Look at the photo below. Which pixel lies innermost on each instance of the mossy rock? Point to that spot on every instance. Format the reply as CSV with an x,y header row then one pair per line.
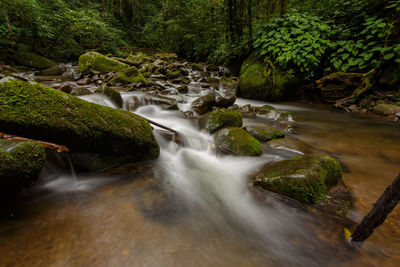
x,y
114,95
258,81
53,71
203,104
305,178
197,67
20,163
41,113
183,89
34,61
222,118
236,141
98,62
174,74
264,134
130,75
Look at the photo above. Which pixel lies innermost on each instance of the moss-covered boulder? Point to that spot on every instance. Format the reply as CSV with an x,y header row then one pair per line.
x,y
53,71
98,62
41,113
20,163
236,141
130,75
261,82
222,118
33,61
305,178
203,104
264,134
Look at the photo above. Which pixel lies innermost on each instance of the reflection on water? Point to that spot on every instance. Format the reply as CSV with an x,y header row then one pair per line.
x,y
192,208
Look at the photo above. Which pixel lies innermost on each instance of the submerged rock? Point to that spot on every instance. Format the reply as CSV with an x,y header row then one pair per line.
x,y
20,163
130,75
264,134
41,113
33,61
222,118
270,113
98,62
290,146
305,178
386,109
203,104
236,141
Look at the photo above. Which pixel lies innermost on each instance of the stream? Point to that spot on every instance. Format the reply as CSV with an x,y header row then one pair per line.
x,y
191,207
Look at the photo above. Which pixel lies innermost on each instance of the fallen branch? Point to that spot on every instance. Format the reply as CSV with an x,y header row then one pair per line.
x,y
58,148
383,206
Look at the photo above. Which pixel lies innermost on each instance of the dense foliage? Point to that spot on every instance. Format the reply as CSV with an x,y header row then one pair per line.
x,y
311,37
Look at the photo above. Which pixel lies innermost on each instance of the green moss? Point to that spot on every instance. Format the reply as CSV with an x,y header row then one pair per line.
x,y
237,141
305,178
98,62
38,112
130,75
264,134
221,118
33,61
174,74
257,81
20,163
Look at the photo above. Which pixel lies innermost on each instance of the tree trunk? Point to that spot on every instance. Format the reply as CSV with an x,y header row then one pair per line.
x,y
9,29
383,206
250,25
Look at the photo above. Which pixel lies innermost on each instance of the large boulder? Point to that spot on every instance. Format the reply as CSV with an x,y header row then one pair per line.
x,y
130,75
222,118
41,113
236,141
259,81
305,178
114,95
203,104
98,62
20,163
264,134
33,61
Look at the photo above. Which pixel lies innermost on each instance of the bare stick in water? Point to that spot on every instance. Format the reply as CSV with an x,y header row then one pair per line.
x,y
59,148
383,206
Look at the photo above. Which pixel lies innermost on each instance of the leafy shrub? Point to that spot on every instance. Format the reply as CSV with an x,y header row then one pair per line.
x,y
295,41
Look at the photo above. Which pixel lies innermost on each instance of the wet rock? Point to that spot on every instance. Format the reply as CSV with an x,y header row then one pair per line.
x,y
113,94
66,88
305,178
181,80
338,201
212,68
225,101
222,118
183,89
290,146
174,74
53,71
270,113
130,75
264,134
133,103
33,61
386,109
203,104
84,81
20,164
79,125
98,62
80,91
236,141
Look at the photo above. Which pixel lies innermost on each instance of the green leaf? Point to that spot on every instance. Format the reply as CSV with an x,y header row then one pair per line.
x,y
388,56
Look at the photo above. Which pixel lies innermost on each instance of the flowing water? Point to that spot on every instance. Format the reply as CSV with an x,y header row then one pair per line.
x,y
191,207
